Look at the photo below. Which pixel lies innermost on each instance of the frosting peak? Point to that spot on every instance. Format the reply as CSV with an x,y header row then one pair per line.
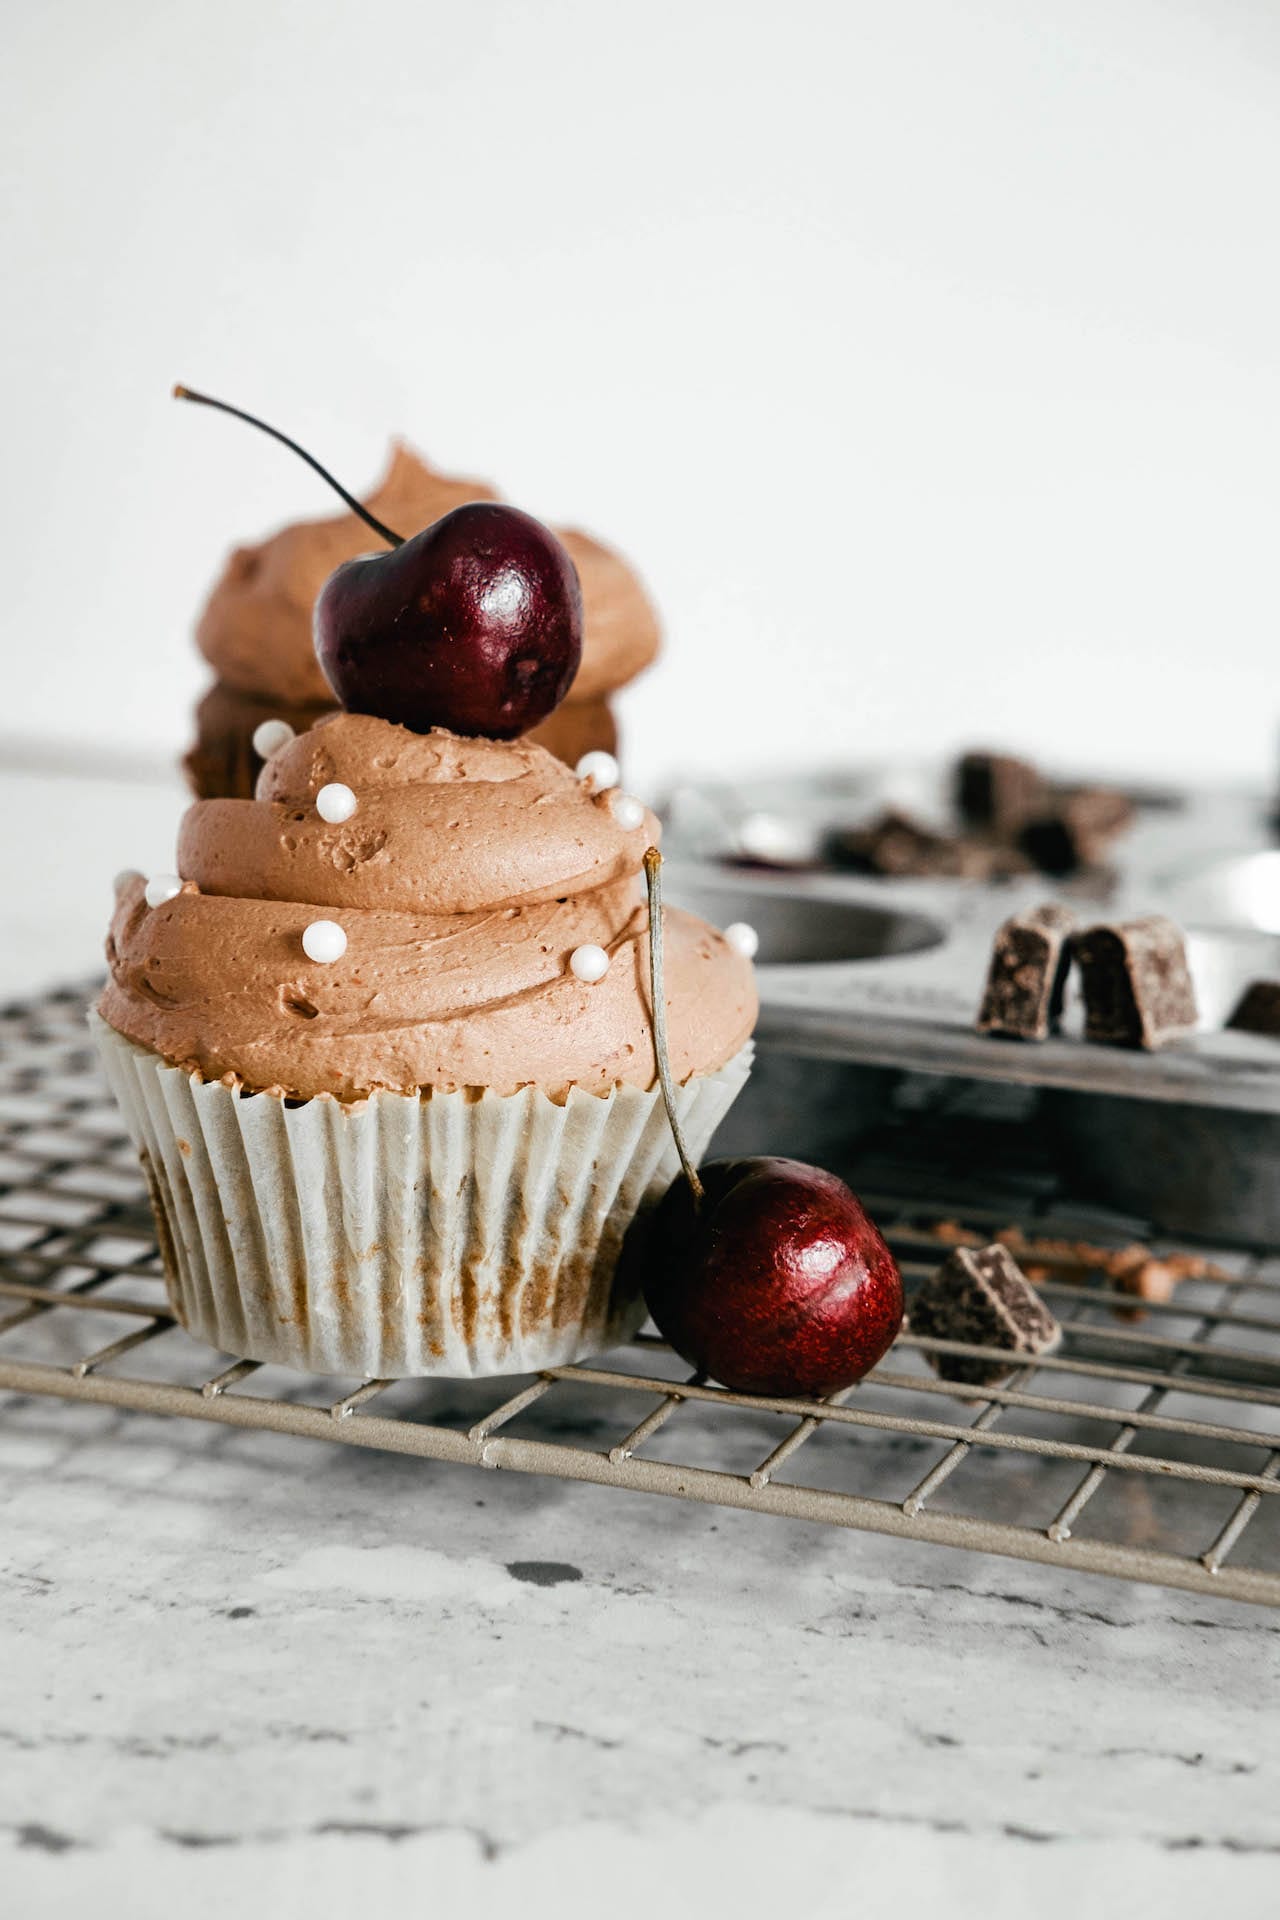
x,y
467,876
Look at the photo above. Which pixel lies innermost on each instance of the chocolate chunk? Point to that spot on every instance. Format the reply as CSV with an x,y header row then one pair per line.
x,y
980,1296
1258,1009
1028,976
1137,987
1075,828
898,847
994,790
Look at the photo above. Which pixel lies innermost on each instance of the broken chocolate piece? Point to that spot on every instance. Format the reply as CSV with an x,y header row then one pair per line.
x,y
1075,828
996,791
1028,976
1258,1009
900,848
893,844
980,1296
1137,987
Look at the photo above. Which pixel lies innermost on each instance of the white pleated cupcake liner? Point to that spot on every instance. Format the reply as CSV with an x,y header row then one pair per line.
x,y
461,1234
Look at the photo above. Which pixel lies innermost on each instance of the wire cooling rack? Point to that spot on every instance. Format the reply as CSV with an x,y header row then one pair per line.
x,y
1147,1447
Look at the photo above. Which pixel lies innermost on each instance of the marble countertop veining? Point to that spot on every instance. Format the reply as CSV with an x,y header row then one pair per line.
x,y
252,1674
279,1672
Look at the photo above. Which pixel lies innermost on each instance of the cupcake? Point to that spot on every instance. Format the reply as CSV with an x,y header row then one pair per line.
x,y
385,1040
255,630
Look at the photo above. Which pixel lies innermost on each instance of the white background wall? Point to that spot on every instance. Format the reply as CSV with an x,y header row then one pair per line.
x,y
926,353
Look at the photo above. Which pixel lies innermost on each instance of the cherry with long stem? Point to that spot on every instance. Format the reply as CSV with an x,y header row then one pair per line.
x,y
238,413
653,881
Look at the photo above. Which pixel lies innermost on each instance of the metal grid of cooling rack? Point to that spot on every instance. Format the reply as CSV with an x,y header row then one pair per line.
x,y
1147,1447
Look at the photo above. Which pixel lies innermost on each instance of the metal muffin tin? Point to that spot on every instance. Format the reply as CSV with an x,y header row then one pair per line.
x,y
862,979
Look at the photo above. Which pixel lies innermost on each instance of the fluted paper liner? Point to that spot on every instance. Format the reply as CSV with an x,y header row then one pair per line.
x,y
463,1234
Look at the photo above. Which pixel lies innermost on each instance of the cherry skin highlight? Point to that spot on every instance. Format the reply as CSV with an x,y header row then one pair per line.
x,y
474,624
777,1282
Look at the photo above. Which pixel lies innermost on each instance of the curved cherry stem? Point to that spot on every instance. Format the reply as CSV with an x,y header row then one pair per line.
x,y
653,881
238,413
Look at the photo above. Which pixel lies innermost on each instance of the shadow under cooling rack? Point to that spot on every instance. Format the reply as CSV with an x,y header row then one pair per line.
x,y
1146,1448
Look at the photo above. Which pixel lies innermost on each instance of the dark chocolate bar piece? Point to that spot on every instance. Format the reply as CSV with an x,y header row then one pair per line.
x,y
1137,986
979,1295
1075,829
995,791
898,847
893,844
1258,1009
1028,975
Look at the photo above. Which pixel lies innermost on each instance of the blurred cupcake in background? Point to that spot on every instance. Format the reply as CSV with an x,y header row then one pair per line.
x,y
255,630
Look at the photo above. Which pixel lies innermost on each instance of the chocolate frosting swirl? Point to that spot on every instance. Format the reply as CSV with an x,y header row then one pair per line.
x,y
468,874
255,630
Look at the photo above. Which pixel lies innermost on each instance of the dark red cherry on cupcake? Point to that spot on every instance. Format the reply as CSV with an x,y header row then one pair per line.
x,y
474,624
763,1273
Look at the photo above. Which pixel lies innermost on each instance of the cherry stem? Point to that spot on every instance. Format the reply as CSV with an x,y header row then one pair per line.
x,y
238,413
653,881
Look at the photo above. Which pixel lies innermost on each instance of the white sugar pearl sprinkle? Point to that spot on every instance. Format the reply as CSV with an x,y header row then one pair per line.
x,y
743,938
627,811
270,736
336,803
161,887
589,964
324,942
599,769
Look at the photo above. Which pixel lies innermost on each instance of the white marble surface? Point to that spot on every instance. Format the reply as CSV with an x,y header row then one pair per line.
x,y
248,1674
256,1671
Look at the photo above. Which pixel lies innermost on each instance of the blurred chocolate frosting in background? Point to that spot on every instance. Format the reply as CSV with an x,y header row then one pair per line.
x,y
255,630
